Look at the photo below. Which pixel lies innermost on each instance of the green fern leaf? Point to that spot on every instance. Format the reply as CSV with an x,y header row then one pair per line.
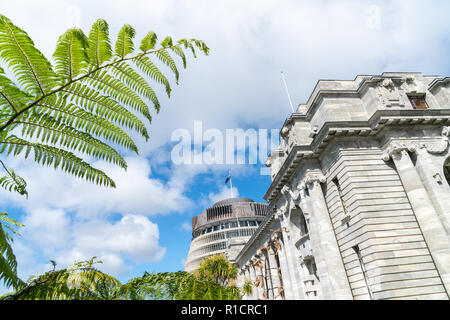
x,y
127,74
165,58
32,70
148,42
146,66
99,44
124,43
48,155
70,55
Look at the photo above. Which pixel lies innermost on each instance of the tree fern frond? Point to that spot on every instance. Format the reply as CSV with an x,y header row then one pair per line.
x,y
48,155
103,106
79,281
127,74
32,70
179,52
165,58
49,131
99,43
88,96
114,88
147,66
78,118
14,182
11,96
8,262
148,42
167,42
124,42
70,54
201,45
187,44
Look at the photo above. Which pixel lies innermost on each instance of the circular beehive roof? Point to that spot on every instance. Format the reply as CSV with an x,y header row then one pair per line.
x,y
230,201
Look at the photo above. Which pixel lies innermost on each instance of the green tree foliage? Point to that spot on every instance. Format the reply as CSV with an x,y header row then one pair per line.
x,y
83,103
215,280
80,281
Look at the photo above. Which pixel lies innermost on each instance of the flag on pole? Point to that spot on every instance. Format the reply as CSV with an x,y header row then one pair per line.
x,y
228,178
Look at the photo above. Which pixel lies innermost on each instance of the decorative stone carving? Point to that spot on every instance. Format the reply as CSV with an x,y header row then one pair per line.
x,y
431,147
395,148
436,148
410,79
389,94
312,178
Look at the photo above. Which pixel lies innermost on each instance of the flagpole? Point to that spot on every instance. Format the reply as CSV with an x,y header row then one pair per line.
x,y
287,91
231,185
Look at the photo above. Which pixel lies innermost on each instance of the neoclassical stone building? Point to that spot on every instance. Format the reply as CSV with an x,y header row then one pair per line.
x,y
359,204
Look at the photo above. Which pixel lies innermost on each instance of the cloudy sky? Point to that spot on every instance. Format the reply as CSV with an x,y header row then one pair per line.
x,y
144,224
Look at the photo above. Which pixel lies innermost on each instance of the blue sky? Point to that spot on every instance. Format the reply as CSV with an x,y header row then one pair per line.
x,y
143,225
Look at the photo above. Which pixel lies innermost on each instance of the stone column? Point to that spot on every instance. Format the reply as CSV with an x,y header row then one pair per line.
x,y
284,265
262,272
334,282
267,272
432,180
257,293
294,271
274,274
426,215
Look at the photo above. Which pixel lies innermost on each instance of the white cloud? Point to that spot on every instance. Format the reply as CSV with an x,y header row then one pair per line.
x,y
186,226
136,191
133,237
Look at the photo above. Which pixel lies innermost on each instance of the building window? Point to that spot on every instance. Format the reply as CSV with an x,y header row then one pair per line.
x,y
418,102
243,223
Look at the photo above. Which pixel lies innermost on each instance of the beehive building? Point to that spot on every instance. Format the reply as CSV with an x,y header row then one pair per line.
x,y
223,228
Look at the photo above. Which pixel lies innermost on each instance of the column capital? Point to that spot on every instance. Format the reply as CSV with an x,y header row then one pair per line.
x,y
395,149
311,179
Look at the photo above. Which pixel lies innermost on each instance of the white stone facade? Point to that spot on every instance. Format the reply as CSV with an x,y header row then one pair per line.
x,y
360,196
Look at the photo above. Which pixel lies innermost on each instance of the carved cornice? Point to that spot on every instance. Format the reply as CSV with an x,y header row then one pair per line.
x,y
433,147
